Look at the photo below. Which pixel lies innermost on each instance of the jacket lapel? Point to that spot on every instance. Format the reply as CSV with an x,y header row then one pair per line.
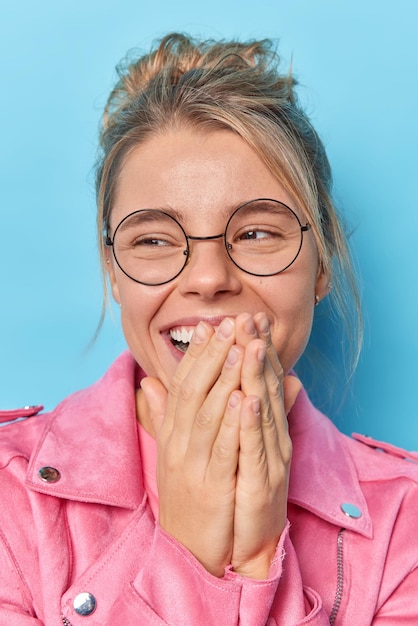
x,y
323,476
92,440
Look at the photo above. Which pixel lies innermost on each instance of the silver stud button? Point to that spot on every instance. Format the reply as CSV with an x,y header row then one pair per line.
x,y
49,474
351,510
84,603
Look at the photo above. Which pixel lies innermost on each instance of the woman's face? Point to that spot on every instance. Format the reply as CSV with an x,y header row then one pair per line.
x,y
204,177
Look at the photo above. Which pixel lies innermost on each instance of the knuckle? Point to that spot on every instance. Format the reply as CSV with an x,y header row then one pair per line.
x,y
221,452
203,418
276,371
258,456
276,389
185,392
268,419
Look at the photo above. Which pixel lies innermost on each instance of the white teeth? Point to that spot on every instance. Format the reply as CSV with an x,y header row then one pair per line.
x,y
182,334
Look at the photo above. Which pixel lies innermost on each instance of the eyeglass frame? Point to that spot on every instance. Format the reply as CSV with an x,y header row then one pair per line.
x,y
108,242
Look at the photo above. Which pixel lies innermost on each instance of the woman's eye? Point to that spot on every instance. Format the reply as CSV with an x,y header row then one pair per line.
x,y
150,241
255,234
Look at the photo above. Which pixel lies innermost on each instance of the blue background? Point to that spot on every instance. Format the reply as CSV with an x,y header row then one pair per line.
x,y
357,61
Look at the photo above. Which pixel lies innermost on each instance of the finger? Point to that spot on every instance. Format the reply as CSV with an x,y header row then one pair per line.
x,y
211,414
200,339
285,387
252,378
248,328
224,458
245,329
274,376
261,498
254,383
187,394
262,326
269,389
151,412
253,470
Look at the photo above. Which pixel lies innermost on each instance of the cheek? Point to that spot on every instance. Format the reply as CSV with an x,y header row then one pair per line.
x,y
292,337
291,302
139,308
136,315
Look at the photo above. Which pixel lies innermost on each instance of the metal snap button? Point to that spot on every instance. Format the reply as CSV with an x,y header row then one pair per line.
x,y
351,510
84,603
49,474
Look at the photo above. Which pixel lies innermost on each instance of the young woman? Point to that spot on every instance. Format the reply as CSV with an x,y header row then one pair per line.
x,y
195,484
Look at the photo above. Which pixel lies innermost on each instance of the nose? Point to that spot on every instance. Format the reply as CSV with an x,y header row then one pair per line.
x,y
209,272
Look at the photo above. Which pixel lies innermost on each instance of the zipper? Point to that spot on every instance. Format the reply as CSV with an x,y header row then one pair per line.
x,y
65,621
340,578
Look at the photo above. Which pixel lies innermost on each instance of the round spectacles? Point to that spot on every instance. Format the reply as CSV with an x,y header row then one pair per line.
x,y
262,237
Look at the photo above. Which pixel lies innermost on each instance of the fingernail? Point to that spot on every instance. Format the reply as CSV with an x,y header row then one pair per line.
x,y
233,356
263,324
234,399
249,326
261,353
200,333
225,328
256,406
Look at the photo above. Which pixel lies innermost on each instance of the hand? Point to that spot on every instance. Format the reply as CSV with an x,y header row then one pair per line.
x,y
197,430
265,449
225,409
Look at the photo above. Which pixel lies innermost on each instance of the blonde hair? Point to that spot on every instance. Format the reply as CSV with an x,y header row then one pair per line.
x,y
236,86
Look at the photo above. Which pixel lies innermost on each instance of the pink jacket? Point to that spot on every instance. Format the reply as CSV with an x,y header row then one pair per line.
x,y
79,545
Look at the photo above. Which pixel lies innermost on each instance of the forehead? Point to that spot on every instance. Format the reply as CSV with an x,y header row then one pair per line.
x,y
200,177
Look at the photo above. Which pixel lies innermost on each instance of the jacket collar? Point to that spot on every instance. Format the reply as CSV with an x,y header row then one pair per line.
x,y
92,440
323,477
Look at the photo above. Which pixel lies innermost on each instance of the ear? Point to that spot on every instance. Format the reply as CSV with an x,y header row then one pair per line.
x,y
112,276
322,284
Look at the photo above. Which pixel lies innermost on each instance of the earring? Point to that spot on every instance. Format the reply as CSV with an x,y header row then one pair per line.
x,y
317,299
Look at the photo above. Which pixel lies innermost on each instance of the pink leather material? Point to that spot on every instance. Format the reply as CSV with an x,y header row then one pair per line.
x,y
26,411
383,446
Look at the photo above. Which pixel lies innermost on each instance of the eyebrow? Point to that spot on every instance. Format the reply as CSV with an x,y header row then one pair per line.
x,y
177,214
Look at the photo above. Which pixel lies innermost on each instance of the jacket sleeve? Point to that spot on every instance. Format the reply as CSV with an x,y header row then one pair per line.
x,y
186,594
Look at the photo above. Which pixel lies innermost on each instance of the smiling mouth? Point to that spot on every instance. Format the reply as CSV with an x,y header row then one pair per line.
x,y
181,338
